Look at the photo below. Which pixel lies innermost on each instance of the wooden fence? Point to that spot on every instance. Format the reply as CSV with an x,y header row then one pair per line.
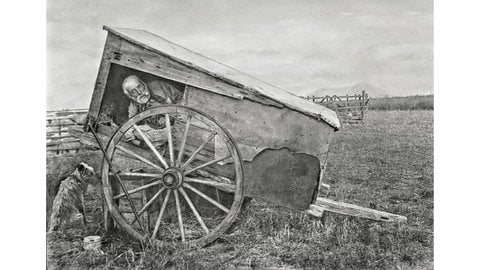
x,y
350,108
59,141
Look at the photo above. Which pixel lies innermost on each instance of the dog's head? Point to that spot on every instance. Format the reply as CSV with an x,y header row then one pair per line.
x,y
86,173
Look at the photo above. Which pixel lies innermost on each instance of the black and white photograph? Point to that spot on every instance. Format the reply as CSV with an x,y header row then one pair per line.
x,y
243,134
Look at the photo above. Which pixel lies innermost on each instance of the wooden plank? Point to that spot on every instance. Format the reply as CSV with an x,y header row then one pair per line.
x,y
355,210
364,105
358,102
55,143
341,103
230,188
57,129
176,75
59,118
57,132
315,211
49,137
112,45
62,124
76,144
63,148
124,205
63,131
344,107
346,97
67,110
133,56
65,114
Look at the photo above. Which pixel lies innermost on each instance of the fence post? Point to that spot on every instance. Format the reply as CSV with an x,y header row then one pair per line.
x,y
59,135
363,105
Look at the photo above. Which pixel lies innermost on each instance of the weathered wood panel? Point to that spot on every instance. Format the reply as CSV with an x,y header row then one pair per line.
x,y
136,57
112,45
257,127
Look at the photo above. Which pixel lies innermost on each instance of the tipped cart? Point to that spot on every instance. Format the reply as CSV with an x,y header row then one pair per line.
x,y
178,168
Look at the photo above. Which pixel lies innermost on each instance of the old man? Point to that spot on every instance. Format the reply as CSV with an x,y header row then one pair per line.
x,y
146,95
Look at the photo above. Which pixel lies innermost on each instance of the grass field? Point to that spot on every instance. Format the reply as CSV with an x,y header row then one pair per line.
x,y
386,164
419,102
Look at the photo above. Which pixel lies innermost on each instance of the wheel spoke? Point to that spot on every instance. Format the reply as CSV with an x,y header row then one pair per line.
x,y
208,163
203,195
194,210
140,158
179,215
135,190
169,138
149,203
210,137
217,194
162,210
217,178
222,186
152,147
138,174
184,140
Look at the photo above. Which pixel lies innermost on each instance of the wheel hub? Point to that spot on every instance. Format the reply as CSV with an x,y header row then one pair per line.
x,y
172,178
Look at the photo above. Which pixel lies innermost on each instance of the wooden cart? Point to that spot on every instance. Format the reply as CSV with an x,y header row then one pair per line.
x,y
230,136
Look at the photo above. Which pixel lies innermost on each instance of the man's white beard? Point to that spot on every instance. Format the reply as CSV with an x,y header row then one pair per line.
x,y
143,99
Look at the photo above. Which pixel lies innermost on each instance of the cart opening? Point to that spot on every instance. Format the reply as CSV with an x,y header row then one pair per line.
x,y
116,103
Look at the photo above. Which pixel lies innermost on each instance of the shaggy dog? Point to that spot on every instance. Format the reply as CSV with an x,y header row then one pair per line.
x,y
69,199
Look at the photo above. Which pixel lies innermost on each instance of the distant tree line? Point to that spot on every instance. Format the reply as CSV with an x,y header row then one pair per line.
x,y
418,102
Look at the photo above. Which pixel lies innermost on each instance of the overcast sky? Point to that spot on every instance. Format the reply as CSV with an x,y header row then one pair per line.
x,y
296,45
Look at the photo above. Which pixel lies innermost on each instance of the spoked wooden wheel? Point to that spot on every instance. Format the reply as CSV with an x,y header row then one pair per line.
x,y
174,173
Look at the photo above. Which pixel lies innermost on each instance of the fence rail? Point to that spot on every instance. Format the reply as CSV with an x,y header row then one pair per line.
x,y
350,108
59,141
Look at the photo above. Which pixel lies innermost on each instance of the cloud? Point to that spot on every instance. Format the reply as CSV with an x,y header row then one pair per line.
x,y
296,45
